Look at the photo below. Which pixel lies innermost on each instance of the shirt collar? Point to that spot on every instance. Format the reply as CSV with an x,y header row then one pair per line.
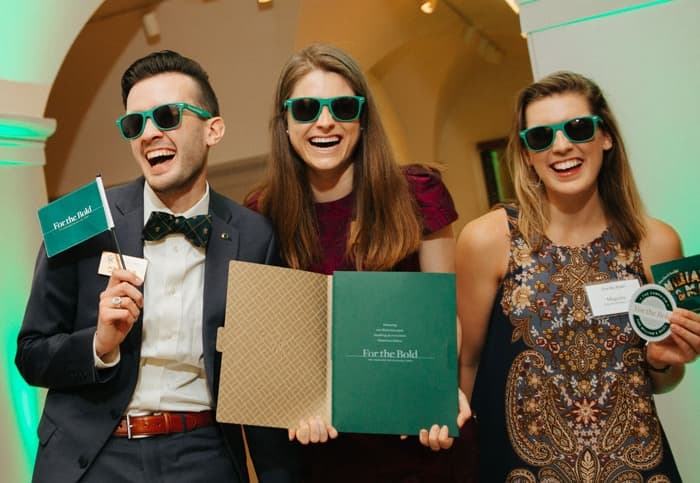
x,y
151,203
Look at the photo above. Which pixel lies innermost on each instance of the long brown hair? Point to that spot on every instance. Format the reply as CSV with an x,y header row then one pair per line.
x,y
385,226
618,192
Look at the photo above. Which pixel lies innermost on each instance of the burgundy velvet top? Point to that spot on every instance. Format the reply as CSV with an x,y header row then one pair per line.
x,y
434,203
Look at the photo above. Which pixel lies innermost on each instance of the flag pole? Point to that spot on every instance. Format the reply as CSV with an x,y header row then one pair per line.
x,y
110,220
119,250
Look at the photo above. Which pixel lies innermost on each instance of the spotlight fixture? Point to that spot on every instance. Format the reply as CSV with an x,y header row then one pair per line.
x,y
151,27
428,6
513,4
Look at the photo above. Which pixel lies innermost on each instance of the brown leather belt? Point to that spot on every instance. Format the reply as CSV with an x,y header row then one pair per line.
x,y
162,423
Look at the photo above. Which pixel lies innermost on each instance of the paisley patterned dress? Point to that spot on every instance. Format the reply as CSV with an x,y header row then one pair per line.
x,y
561,395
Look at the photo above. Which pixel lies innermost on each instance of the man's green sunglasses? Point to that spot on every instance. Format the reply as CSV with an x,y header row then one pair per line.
x,y
165,117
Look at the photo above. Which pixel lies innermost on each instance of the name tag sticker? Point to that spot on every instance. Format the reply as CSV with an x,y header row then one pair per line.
x,y
649,309
109,262
611,297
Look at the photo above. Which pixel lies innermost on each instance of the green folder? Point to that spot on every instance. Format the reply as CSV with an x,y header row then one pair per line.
x,y
394,353
369,352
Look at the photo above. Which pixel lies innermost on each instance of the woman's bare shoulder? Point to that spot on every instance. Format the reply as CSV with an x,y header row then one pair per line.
x,y
484,245
487,229
660,243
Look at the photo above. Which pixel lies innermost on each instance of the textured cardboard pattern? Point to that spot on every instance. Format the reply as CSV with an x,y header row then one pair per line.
x,y
253,391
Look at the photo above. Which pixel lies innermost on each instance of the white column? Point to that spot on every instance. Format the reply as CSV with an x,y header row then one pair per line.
x,y
35,36
22,192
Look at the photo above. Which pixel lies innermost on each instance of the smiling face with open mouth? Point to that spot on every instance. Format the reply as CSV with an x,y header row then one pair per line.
x,y
173,161
325,145
566,167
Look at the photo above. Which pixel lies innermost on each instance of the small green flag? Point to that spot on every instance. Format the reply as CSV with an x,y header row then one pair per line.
x,y
75,217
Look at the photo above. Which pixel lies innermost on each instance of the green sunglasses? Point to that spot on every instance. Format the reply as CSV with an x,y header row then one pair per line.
x,y
165,117
577,130
308,109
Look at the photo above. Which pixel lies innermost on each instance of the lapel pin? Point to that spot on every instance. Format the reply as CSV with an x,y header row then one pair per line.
x,y
224,236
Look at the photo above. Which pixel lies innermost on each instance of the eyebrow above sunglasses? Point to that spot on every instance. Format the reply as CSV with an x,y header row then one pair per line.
x,y
577,130
308,109
165,117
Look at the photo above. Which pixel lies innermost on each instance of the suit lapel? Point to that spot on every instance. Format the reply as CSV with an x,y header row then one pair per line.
x,y
222,248
128,217
126,203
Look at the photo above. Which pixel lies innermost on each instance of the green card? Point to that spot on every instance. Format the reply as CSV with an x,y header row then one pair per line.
x,y
681,278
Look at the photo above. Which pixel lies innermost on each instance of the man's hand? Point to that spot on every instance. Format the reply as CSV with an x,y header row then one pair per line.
x,y
120,306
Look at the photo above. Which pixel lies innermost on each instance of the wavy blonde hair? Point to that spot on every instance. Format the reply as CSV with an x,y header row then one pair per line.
x,y
620,198
385,227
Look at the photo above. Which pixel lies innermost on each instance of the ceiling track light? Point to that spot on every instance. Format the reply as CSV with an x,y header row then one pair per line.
x,y
151,27
428,6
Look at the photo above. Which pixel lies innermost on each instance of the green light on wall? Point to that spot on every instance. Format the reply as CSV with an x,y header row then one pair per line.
x,y
19,131
610,13
24,398
23,128
14,162
20,402
497,170
22,139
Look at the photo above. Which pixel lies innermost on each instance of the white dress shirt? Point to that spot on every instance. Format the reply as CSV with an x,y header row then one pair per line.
x,y
171,371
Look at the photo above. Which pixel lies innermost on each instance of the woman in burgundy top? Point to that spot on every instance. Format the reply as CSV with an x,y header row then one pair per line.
x,y
339,201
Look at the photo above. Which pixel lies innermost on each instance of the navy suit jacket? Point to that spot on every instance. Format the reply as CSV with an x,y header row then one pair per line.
x,y
84,405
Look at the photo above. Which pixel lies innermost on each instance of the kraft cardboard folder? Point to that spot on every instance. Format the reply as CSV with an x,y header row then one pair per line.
x,y
371,352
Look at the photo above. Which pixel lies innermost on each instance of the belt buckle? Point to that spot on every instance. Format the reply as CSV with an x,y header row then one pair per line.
x,y
128,426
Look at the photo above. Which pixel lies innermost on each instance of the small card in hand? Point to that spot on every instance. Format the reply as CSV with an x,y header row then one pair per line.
x,y
681,278
110,261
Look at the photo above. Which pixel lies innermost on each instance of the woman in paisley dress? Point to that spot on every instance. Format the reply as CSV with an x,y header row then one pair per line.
x,y
561,394
339,201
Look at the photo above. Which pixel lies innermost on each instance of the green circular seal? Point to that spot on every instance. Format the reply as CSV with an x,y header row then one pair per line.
x,y
649,310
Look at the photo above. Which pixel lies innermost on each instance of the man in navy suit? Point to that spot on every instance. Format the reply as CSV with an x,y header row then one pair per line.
x,y
130,365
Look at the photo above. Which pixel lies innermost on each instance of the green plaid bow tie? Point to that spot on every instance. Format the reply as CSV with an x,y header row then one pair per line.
x,y
195,229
